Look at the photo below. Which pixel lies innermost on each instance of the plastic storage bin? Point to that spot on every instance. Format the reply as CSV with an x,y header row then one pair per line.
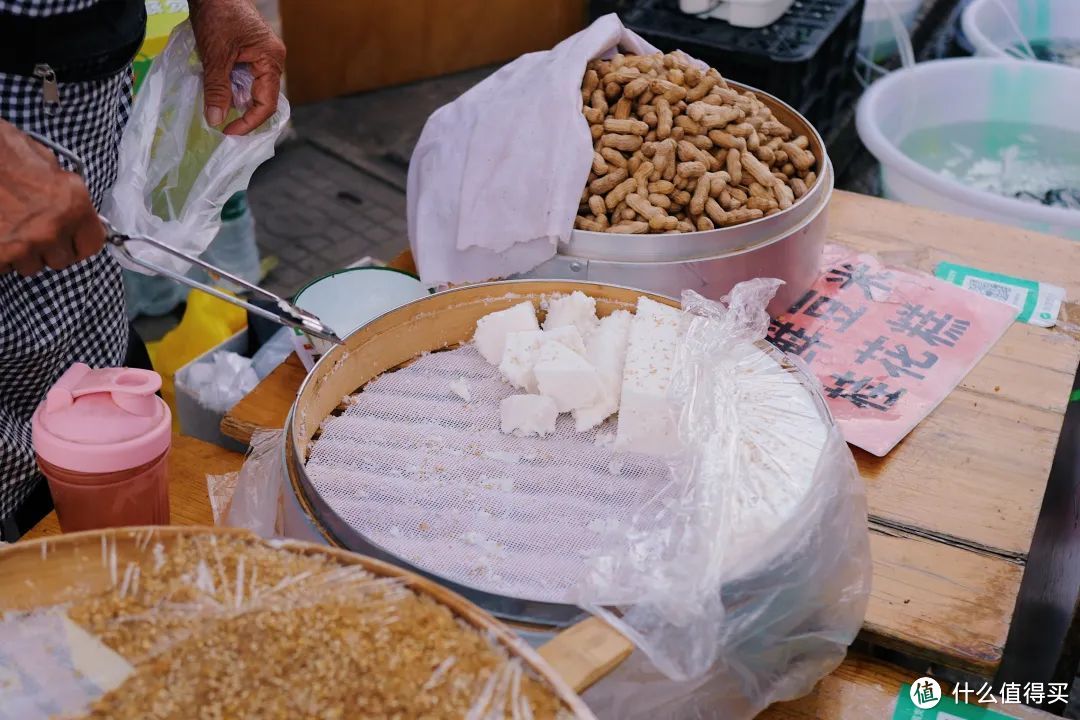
x,y
967,90
998,28
805,58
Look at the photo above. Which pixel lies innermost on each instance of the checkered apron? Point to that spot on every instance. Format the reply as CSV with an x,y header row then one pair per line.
x,y
56,318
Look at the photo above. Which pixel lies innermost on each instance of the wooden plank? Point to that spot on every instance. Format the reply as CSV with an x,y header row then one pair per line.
x,y
190,461
343,46
864,688
267,406
586,652
942,603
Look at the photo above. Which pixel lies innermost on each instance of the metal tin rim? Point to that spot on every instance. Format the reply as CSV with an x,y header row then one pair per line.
x,y
338,533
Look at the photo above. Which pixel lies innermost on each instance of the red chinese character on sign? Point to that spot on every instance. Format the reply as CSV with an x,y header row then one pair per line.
x,y
860,275
875,349
863,393
823,307
789,338
933,329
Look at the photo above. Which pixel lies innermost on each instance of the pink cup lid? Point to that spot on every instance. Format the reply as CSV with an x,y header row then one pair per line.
x,y
102,420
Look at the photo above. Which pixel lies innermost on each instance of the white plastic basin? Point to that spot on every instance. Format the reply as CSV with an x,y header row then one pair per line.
x,y
991,25
967,90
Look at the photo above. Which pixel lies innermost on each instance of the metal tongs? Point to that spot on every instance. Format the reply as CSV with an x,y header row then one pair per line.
x,y
289,314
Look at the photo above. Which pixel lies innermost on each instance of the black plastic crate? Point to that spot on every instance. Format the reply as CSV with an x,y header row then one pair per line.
x,y
805,58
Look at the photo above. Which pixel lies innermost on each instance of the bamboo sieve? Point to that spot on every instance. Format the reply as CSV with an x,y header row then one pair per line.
x,y
55,570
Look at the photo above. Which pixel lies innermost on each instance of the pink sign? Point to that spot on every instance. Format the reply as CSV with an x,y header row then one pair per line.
x,y
887,344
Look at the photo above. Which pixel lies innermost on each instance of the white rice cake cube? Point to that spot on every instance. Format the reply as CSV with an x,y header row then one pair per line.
x,y
566,377
492,329
576,309
525,415
605,349
523,348
647,422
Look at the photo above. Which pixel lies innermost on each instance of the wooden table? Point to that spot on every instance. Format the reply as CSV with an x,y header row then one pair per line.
x,y
954,508
861,688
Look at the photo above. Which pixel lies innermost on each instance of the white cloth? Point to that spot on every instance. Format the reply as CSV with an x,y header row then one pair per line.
x,y
495,179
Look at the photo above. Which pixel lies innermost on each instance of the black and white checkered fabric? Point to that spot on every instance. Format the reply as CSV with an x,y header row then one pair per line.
x,y
44,8
56,318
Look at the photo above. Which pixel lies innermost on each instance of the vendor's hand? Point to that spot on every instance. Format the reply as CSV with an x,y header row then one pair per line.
x,y
46,216
229,32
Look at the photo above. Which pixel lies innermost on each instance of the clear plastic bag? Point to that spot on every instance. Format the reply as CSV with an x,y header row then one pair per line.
x,y
175,172
722,633
252,499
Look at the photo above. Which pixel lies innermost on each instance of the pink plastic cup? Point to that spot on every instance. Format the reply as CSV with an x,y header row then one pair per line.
x,y
102,438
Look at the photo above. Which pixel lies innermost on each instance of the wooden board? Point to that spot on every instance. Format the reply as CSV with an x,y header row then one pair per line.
x,y
190,461
343,46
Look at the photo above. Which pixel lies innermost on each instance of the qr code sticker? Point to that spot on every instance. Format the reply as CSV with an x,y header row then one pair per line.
x,y
989,288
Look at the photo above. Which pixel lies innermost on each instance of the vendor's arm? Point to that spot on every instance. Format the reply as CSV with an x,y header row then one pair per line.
x,y
229,32
46,216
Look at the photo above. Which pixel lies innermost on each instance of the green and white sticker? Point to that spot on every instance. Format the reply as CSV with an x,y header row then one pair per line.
x,y
1037,303
928,703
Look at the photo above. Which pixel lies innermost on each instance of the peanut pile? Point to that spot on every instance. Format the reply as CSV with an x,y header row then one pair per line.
x,y
678,150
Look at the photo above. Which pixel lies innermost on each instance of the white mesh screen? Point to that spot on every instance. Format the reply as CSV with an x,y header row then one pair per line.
x,y
431,479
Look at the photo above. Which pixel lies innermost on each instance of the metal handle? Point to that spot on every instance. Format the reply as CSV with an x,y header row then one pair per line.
x,y
291,315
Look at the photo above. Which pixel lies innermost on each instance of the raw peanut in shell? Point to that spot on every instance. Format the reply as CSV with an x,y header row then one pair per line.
x,y
785,196
765,155
761,203
613,156
641,174
739,196
651,120
628,214
646,98
635,88
612,91
663,118
743,130
619,193
688,125
597,131
630,228
601,220
753,142
771,212
716,213
661,201
592,115
599,164
622,108
626,143
701,194
675,75
788,169
802,142
720,120
781,158
635,162
776,128
734,166
607,183
651,137
701,142
681,182
661,187
757,169
740,215
798,187
702,88
583,223
678,133
684,226
704,223
691,169
692,75
622,75
727,140
810,178
597,205
590,82
725,200
681,198
625,127
801,159
599,102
